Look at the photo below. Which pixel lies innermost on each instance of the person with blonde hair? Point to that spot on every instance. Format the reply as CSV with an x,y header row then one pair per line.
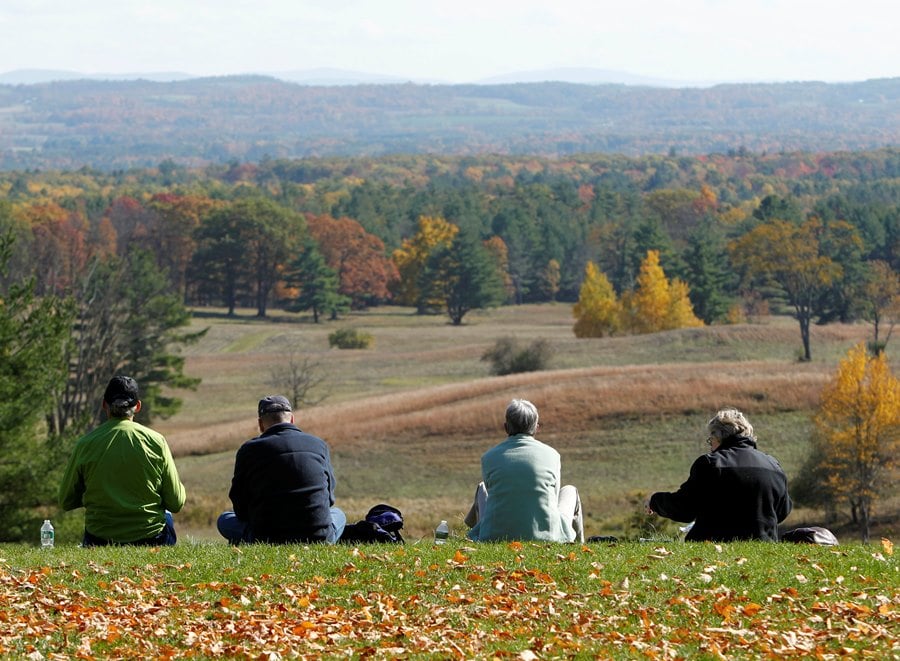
x,y
521,496
734,491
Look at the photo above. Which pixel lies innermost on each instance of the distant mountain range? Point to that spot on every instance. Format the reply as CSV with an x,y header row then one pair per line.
x,y
120,124
328,76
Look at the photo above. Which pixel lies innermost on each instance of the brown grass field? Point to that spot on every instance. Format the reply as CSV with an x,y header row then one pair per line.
x,y
408,419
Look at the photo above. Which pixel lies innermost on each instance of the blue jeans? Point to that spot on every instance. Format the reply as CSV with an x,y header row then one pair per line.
x,y
238,532
166,537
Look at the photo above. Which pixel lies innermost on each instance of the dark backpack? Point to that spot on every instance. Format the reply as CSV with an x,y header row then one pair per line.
x,y
382,524
810,535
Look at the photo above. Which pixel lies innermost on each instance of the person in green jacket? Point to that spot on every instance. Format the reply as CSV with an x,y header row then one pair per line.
x,y
124,476
521,496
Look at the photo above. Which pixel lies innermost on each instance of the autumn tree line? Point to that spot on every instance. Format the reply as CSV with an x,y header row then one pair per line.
x,y
114,261
812,234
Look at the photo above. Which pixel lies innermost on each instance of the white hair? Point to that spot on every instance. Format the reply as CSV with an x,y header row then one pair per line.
x,y
521,417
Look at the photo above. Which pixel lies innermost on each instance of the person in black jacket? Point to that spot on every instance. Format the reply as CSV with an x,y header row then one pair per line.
x,y
734,491
283,485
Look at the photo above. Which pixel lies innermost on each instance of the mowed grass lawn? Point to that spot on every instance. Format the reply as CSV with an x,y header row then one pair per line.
x,y
409,418
457,601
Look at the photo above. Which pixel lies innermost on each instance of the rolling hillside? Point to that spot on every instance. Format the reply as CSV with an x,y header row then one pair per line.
x,y
122,124
408,419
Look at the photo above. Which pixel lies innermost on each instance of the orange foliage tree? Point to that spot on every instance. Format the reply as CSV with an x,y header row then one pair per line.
x,y
171,233
858,426
59,245
364,271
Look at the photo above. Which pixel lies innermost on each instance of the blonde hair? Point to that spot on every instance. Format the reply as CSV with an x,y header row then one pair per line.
x,y
730,422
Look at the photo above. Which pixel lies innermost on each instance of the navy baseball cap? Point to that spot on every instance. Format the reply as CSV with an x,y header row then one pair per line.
x,y
121,391
274,404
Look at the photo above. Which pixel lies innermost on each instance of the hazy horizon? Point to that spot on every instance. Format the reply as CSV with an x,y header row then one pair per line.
x,y
694,42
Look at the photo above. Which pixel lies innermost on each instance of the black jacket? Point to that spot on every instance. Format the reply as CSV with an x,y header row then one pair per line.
x,y
283,486
735,492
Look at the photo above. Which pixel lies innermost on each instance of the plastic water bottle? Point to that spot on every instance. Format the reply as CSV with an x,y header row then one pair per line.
x,y
47,535
441,533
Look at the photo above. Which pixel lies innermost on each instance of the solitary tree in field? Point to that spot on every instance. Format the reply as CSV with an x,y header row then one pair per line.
x,y
597,311
788,256
859,432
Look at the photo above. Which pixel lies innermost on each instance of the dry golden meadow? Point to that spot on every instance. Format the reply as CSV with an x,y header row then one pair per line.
x,y
408,419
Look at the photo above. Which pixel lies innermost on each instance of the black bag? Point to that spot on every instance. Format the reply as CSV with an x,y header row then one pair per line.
x,y
810,535
382,524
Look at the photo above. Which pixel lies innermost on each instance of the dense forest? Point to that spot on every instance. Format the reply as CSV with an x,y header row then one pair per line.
x,y
362,229
112,125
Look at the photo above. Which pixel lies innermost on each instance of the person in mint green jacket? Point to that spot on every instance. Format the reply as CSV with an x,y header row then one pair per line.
x,y
124,476
520,496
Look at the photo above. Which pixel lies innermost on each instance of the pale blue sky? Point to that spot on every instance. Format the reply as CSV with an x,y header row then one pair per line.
x,y
459,40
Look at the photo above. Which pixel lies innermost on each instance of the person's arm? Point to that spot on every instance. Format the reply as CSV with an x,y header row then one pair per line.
x,y
784,505
684,504
329,476
237,491
71,489
173,492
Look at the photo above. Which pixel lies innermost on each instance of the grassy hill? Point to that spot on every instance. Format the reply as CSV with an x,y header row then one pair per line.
x,y
409,418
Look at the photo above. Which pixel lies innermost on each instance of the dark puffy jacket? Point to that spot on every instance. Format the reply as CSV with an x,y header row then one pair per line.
x,y
283,486
735,492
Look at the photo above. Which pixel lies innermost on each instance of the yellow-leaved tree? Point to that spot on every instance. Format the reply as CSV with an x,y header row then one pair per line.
x,y
657,304
410,259
597,311
858,426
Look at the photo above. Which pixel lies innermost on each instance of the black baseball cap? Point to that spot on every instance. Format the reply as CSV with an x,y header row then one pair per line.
x,y
274,404
121,391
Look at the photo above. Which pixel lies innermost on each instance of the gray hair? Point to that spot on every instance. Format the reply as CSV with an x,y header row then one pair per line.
x,y
521,417
274,417
730,422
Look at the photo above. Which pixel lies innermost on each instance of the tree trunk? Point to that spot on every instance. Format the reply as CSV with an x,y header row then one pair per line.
x,y
803,318
864,522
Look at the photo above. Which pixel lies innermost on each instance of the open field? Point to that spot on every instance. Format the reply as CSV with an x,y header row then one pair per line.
x,y
408,419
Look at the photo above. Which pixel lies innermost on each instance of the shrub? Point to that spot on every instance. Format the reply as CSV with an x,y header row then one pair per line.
x,y
506,357
350,338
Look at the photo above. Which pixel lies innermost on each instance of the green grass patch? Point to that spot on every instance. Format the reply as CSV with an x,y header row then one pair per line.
x,y
459,600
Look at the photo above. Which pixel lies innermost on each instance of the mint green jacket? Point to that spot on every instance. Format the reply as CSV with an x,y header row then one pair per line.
x,y
124,476
522,478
